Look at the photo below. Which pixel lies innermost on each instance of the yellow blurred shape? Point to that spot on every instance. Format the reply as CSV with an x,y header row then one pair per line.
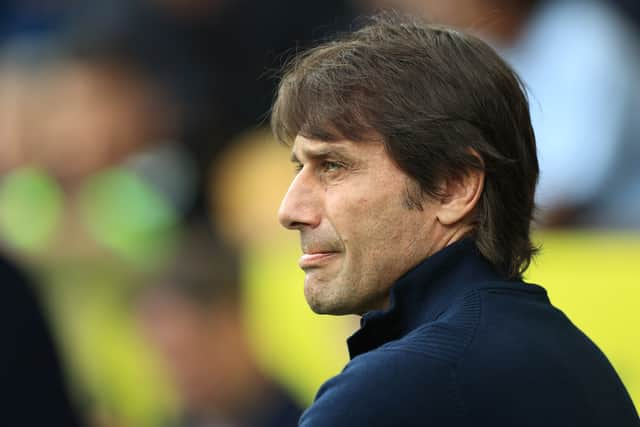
x,y
247,184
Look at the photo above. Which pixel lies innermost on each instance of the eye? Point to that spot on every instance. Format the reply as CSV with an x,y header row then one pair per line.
x,y
331,166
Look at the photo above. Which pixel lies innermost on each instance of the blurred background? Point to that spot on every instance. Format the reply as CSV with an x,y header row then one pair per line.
x,y
139,184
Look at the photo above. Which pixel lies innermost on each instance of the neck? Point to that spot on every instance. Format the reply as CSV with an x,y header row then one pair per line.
x,y
448,237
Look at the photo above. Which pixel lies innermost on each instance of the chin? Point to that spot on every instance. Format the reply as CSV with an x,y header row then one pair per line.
x,y
321,306
322,297
333,311
317,303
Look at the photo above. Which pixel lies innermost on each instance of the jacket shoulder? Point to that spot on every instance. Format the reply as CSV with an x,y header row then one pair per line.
x,y
527,355
383,388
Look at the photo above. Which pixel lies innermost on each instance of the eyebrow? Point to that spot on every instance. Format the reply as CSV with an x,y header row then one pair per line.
x,y
320,153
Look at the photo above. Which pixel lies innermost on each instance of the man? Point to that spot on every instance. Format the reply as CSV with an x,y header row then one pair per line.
x,y
416,171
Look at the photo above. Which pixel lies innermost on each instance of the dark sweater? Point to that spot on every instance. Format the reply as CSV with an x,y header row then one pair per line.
x,y
461,346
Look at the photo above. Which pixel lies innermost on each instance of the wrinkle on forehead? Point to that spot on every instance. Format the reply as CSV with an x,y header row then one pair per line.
x,y
317,148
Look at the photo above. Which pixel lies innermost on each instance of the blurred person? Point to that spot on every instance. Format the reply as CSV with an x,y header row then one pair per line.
x,y
34,391
97,109
416,169
92,119
585,98
92,195
192,315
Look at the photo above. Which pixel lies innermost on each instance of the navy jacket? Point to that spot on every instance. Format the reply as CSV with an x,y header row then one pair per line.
x,y
461,346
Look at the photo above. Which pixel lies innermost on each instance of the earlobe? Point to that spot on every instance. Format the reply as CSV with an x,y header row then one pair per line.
x,y
461,197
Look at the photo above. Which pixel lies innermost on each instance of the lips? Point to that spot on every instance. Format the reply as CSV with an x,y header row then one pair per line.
x,y
315,259
318,249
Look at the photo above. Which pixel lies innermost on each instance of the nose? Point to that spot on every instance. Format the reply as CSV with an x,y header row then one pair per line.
x,y
300,205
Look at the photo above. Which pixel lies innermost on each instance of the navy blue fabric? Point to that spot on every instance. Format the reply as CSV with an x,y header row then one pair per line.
x,y
460,346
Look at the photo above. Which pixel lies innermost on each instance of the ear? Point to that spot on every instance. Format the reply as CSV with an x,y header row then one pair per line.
x,y
461,195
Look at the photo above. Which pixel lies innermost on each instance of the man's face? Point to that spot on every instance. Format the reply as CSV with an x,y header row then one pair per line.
x,y
358,234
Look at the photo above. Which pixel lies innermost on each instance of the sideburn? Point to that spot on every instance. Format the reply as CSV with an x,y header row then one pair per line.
x,y
413,196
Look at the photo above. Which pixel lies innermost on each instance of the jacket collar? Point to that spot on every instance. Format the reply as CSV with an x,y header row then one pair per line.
x,y
423,293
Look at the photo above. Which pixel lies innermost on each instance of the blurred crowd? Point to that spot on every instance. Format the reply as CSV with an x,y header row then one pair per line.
x,y
136,173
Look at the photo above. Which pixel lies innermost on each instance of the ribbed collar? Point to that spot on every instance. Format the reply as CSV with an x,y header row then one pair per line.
x,y
423,293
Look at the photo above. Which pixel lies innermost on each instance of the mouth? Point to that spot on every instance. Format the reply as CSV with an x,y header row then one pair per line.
x,y
315,259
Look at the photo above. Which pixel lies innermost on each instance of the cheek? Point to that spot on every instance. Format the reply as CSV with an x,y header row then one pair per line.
x,y
366,223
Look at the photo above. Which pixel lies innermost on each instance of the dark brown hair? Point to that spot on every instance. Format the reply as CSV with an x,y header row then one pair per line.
x,y
437,98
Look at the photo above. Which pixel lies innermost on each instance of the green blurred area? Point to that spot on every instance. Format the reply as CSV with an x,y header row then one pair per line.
x,y
31,205
88,253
